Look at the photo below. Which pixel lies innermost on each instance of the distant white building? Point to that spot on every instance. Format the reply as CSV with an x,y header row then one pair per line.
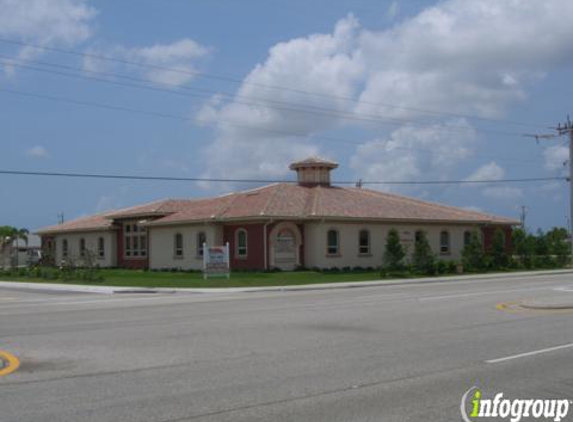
x,y
311,223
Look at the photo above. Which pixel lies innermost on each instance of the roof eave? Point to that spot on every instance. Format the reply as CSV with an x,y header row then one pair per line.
x,y
330,218
82,230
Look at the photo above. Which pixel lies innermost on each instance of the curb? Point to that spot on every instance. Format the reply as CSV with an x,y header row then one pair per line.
x,y
78,288
547,306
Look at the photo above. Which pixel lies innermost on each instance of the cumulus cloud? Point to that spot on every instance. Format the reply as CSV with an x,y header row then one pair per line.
x,y
555,157
464,55
492,171
171,64
263,138
47,22
415,153
37,152
458,56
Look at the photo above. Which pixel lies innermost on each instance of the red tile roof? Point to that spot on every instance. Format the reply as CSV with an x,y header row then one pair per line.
x,y
156,208
91,223
283,200
293,201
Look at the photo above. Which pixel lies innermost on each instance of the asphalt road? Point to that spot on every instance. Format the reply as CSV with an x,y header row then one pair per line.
x,y
399,353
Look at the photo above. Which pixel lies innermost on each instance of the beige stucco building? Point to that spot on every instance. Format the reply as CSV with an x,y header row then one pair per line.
x,y
308,224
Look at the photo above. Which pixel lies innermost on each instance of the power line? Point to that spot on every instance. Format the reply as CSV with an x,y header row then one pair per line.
x,y
200,123
265,86
369,118
227,180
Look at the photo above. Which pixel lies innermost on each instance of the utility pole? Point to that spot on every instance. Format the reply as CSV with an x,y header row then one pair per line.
x,y
564,129
567,129
61,218
522,215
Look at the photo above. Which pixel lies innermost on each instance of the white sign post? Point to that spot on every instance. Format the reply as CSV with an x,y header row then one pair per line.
x,y
216,261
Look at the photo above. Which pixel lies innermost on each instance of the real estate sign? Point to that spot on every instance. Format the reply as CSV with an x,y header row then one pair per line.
x,y
216,261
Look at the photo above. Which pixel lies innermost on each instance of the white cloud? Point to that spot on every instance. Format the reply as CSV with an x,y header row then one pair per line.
x,y
491,171
459,56
415,153
555,157
465,55
47,22
37,152
261,138
160,59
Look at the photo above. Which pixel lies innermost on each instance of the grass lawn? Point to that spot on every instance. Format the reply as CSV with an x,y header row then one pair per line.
x,y
135,278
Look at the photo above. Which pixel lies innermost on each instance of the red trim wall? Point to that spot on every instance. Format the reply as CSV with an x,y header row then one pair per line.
x,y
133,263
255,259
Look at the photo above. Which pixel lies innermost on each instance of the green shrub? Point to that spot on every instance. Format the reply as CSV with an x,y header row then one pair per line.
x,y
394,253
472,253
423,258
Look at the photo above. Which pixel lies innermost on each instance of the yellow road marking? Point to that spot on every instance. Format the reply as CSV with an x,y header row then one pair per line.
x,y
12,363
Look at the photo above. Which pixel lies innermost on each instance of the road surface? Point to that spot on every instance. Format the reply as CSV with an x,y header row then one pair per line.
x,y
393,353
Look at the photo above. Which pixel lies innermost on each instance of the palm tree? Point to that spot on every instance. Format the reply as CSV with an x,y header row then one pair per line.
x,y
20,234
6,239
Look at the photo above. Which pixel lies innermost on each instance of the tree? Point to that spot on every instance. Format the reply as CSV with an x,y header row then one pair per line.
x,y
500,259
472,253
558,244
423,257
394,252
524,246
542,258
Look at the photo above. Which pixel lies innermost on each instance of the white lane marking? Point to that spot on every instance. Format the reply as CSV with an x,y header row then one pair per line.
x,y
564,289
490,292
536,352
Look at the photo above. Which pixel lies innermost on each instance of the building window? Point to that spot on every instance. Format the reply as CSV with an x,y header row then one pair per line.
x,y
242,243
135,241
201,239
178,245
332,243
65,248
101,247
364,242
444,243
467,238
418,236
82,247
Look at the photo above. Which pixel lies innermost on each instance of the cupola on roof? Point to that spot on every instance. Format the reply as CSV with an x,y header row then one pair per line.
x,y
313,171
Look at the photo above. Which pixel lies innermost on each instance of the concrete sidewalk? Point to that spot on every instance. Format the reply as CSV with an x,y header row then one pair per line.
x,y
322,286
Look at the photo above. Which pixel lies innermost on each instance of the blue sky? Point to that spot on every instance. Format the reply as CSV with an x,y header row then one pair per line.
x,y
395,91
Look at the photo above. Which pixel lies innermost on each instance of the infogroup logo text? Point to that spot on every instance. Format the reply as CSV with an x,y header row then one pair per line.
x,y
512,409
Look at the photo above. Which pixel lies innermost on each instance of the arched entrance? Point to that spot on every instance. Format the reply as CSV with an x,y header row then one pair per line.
x,y
285,241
